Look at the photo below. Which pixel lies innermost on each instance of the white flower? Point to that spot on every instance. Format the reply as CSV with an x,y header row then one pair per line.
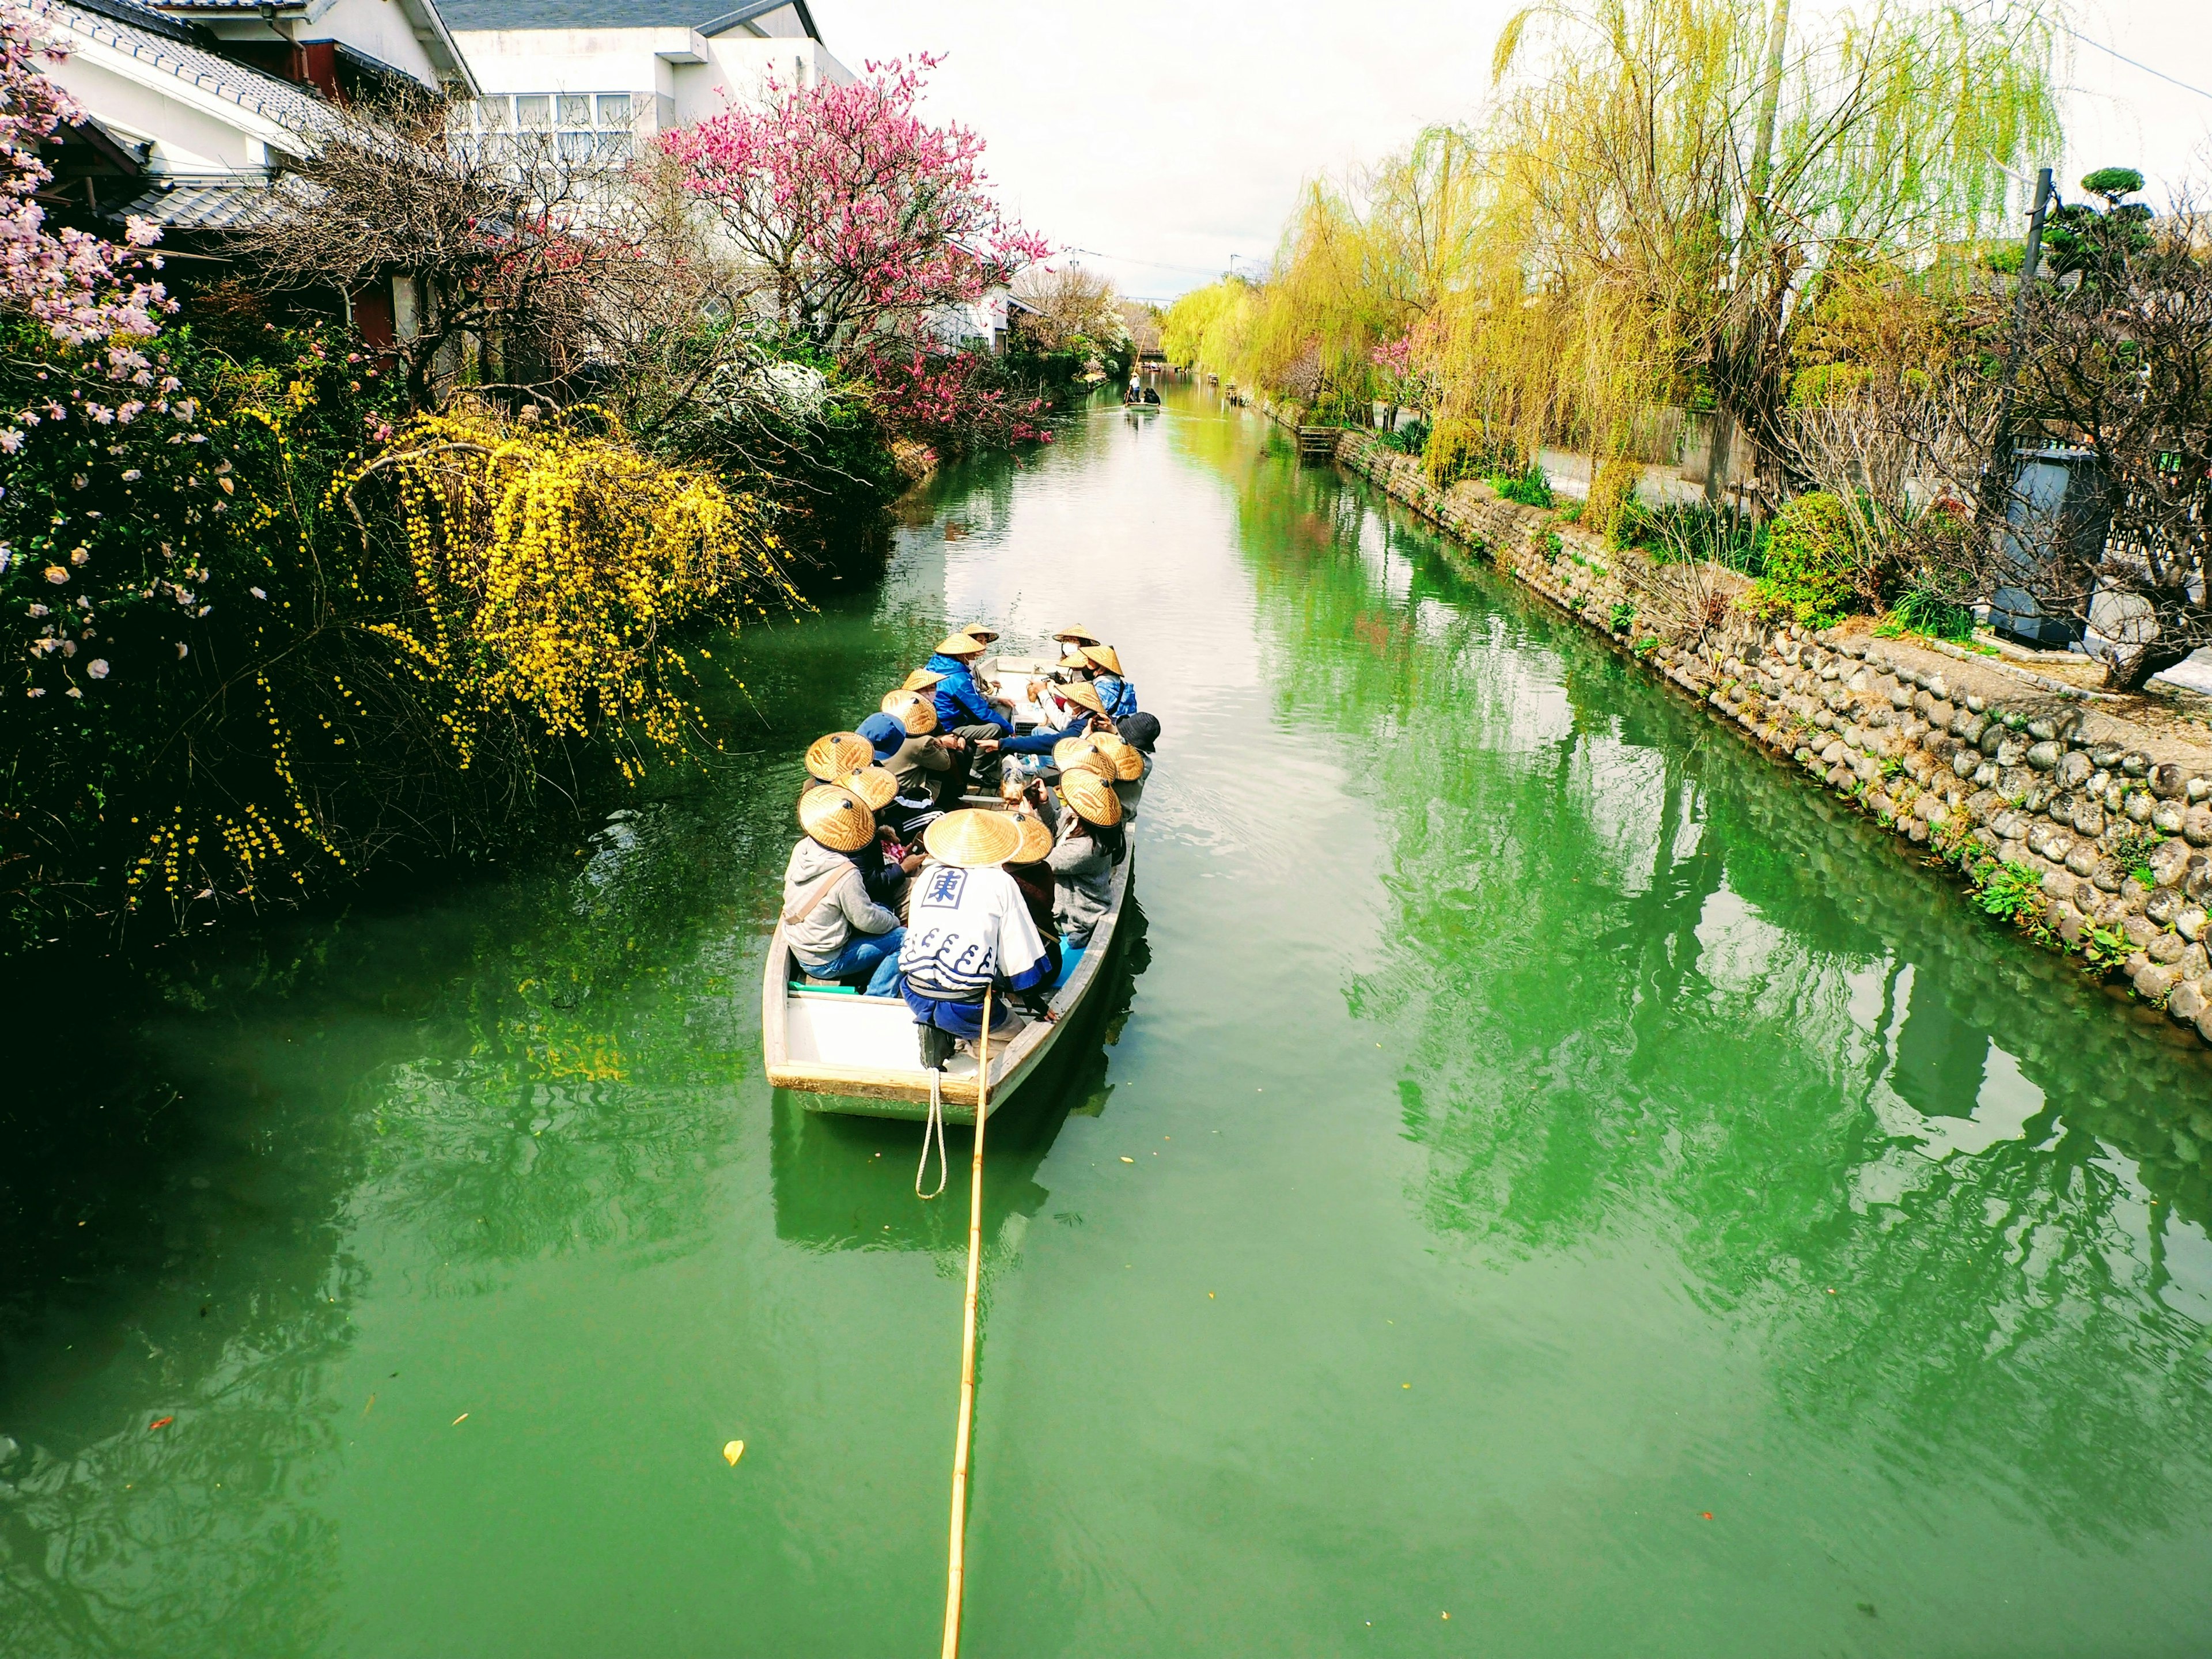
x,y
55,574
34,690
183,650
97,668
39,610
132,475
74,691
257,592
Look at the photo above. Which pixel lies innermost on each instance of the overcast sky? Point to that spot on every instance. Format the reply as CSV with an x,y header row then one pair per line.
x,y
1168,138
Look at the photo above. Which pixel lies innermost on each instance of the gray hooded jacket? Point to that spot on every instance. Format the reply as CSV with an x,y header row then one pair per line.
x,y
1083,880
842,908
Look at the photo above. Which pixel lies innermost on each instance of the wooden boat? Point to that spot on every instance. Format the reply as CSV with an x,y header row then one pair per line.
x,y
862,1055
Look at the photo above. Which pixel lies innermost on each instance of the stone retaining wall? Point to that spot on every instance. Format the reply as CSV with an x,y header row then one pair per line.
x,y
2092,831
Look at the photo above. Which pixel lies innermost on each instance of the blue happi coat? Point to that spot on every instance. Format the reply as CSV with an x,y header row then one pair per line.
x,y
960,702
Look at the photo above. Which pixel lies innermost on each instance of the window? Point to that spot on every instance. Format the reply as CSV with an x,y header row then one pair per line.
x,y
574,109
614,110
491,114
534,110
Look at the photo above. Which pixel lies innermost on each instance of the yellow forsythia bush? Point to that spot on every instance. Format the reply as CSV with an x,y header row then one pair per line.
x,y
550,565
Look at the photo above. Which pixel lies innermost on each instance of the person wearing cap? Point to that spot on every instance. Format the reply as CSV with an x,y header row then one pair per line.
x,y
925,758
1114,690
1090,842
834,930
883,876
969,930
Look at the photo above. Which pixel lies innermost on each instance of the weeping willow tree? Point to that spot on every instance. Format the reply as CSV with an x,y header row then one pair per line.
x,y
1678,181
1658,199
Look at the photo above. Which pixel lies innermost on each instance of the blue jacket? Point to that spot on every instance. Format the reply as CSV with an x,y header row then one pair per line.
x,y
1117,694
960,700
1039,742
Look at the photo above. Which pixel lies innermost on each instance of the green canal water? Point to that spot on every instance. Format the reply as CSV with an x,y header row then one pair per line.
x,y
1548,1182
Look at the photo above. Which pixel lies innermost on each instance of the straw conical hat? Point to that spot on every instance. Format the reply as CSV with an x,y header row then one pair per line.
x,y
1036,839
1076,635
1074,660
971,838
921,679
1092,796
831,758
874,784
1083,696
1105,656
960,644
977,631
1080,754
912,710
837,819
1128,764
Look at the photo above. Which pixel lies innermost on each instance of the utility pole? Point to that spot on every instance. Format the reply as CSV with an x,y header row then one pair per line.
x,y
2029,260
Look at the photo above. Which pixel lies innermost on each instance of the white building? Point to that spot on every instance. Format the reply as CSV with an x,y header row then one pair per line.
x,y
630,69
196,103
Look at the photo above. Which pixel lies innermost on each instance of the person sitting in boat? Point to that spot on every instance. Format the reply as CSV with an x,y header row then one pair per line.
x,y
883,873
905,743
1074,639
1034,875
834,930
1116,694
833,757
962,709
1141,732
1090,842
969,930
1088,715
1150,396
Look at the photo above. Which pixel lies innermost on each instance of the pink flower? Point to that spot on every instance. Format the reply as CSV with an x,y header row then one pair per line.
x,y
97,668
55,574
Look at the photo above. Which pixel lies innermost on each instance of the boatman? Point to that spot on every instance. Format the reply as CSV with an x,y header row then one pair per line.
x,y
968,930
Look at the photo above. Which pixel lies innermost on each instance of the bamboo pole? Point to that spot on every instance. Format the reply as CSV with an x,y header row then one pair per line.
x,y
956,1574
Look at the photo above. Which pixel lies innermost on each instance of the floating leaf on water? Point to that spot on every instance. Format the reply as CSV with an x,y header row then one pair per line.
x,y
732,1451
457,1421
159,1423
1128,1160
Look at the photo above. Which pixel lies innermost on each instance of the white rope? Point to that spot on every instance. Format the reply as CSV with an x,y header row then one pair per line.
x,y
934,1127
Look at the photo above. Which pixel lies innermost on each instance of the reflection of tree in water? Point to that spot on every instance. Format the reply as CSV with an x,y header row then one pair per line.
x,y
1644,980
481,1075
848,1182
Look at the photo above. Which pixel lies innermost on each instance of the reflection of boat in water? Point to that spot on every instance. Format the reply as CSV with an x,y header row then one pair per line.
x,y
861,1054
833,1193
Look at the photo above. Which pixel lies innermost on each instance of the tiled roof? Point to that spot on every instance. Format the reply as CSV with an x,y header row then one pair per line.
x,y
114,26
203,204
708,16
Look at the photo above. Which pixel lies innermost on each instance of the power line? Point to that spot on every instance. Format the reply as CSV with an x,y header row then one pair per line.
x,y
1149,265
2132,63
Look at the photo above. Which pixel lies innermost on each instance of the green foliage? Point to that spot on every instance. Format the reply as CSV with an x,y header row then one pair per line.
x,y
2010,890
1623,614
1411,439
2112,183
1337,407
2105,949
1461,448
1208,326
1531,488
1810,573
1919,610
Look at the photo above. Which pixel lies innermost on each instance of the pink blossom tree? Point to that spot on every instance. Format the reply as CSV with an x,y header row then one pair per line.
x,y
79,286
861,218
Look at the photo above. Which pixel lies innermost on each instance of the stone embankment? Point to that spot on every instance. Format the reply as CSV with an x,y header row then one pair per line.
x,y
2091,832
